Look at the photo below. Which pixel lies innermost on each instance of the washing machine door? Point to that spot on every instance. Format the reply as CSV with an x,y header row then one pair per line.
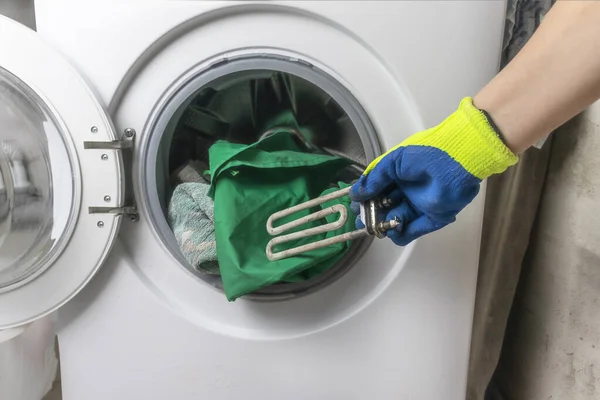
x,y
61,179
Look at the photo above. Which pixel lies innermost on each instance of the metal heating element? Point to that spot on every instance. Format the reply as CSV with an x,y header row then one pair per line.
x,y
369,214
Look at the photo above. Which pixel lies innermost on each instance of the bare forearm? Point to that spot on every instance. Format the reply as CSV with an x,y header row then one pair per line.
x,y
554,77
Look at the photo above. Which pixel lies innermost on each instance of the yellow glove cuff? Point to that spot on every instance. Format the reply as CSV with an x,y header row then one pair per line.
x,y
467,137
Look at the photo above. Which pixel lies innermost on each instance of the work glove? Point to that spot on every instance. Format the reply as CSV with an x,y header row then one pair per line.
x,y
434,174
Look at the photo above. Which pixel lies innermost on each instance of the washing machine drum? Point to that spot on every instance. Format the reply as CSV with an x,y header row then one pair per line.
x,y
246,106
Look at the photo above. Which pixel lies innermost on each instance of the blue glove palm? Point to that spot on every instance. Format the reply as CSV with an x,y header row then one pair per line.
x,y
433,175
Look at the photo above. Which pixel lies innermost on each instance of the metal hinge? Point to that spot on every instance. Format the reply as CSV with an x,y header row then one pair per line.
x,y
129,211
124,144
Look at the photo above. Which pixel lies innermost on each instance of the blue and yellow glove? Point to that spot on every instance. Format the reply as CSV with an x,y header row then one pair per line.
x,y
434,174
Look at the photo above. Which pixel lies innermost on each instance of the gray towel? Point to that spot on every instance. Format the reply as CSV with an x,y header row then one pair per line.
x,y
192,218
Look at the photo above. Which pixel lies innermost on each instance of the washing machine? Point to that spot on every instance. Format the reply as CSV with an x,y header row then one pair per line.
x,y
88,106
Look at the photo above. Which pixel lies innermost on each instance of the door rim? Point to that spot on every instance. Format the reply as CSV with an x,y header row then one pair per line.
x,y
83,119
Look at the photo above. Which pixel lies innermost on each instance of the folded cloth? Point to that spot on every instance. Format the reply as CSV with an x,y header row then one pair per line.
x,y
191,216
251,182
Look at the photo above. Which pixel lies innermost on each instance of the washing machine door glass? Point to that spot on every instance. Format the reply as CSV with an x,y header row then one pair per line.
x,y
61,179
36,183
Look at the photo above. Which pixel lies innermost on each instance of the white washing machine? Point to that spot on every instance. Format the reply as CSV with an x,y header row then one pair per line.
x,y
87,106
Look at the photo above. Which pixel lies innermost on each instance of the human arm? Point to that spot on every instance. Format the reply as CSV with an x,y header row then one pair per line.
x,y
553,78
434,174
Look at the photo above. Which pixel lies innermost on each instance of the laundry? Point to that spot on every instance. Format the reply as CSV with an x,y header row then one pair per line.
x,y
192,171
249,183
191,216
240,116
189,213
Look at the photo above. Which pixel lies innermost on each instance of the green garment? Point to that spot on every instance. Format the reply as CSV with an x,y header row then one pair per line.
x,y
251,182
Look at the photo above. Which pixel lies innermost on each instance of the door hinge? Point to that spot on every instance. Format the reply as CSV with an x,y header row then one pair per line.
x,y
124,144
129,211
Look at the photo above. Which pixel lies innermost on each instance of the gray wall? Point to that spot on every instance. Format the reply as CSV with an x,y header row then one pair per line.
x,y
19,10
552,344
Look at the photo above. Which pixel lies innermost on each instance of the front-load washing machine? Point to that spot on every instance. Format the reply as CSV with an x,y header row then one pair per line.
x,y
88,110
